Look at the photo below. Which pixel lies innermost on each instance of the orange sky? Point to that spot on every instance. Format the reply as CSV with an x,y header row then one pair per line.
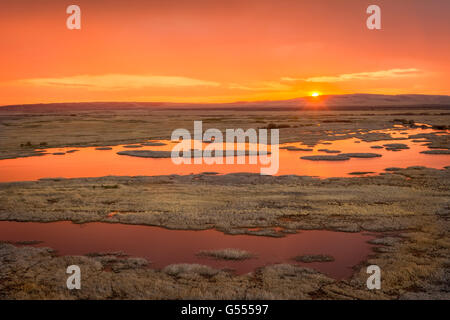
x,y
214,50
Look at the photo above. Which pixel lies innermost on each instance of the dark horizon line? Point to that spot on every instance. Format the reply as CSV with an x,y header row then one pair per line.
x,y
174,105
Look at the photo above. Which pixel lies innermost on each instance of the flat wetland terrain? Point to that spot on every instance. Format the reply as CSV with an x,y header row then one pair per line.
x,y
385,201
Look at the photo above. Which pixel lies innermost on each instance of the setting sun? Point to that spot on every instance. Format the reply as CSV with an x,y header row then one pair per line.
x,y
315,94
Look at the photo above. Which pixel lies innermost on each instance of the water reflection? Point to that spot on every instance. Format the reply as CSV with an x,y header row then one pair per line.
x,y
163,247
91,162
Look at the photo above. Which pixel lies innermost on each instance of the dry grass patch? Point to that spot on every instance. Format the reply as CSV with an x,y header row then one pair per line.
x,y
308,258
190,268
227,254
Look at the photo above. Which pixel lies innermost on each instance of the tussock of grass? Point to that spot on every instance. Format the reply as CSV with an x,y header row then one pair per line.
x,y
114,186
314,258
227,254
187,268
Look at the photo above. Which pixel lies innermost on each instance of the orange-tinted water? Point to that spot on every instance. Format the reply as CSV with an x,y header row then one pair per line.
x,y
89,162
163,247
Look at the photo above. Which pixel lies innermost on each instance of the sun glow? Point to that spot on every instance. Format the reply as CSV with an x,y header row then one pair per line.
x,y
315,94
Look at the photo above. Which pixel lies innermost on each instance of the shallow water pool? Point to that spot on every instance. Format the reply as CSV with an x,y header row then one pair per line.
x,y
163,247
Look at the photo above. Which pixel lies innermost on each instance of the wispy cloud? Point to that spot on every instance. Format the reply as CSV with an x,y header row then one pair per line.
x,y
375,75
262,86
119,82
290,79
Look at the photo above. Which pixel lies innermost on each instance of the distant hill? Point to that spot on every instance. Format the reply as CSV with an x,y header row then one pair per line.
x,y
330,102
367,100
